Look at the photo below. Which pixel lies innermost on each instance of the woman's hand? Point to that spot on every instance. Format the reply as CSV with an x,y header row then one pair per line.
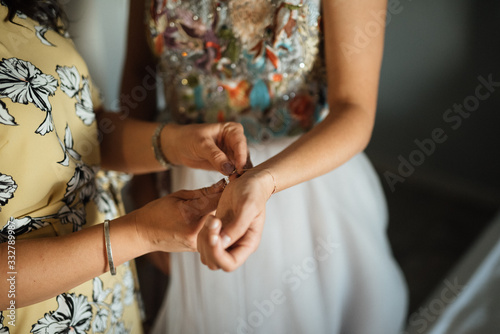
x,y
172,223
219,146
229,238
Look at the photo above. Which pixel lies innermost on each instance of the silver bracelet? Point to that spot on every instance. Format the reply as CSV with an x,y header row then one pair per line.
x,y
156,141
109,252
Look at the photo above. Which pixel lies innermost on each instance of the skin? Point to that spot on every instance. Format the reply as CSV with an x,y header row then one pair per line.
x,y
352,96
70,260
234,232
167,224
204,146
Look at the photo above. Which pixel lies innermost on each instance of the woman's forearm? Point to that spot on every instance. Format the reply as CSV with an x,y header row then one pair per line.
x,y
353,81
343,134
46,267
126,144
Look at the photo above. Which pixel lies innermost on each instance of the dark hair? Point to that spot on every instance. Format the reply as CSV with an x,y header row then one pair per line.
x,y
47,12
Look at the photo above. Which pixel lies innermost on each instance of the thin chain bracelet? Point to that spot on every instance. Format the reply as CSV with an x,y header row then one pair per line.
x,y
265,170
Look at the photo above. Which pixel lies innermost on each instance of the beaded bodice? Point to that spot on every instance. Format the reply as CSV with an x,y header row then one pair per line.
x,y
257,62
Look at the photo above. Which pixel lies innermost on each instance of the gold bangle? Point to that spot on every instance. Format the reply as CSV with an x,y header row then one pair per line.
x,y
156,142
109,252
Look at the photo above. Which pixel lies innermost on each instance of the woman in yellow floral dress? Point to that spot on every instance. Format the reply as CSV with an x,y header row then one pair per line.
x,y
54,251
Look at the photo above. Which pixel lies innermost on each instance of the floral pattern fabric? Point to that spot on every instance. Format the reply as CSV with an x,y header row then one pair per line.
x,y
251,61
50,180
76,312
23,83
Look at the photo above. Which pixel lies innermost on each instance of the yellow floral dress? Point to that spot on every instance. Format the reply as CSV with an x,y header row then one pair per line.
x,y
50,183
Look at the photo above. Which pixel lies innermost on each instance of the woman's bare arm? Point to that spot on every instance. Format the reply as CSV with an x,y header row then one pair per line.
x,y
353,80
47,267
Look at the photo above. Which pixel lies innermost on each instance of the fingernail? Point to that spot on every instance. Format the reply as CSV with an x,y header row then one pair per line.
x,y
226,240
228,168
212,223
213,240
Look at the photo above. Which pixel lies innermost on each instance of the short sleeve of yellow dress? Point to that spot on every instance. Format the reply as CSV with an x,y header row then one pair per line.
x,y
49,182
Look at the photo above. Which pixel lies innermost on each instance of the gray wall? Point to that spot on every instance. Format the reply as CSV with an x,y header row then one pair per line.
x,y
99,30
434,53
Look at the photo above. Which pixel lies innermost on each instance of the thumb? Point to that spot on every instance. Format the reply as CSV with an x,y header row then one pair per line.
x,y
194,204
215,188
207,198
219,160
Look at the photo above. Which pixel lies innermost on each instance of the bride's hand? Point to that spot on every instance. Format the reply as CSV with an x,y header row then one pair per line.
x,y
219,146
229,238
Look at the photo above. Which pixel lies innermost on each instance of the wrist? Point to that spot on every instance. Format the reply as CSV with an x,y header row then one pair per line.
x,y
122,240
161,144
139,230
169,138
266,178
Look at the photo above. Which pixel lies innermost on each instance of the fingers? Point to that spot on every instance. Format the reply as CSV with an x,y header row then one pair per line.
x,y
216,257
248,163
198,203
229,246
208,238
222,147
194,209
234,138
215,188
230,260
218,159
205,205
203,192
214,226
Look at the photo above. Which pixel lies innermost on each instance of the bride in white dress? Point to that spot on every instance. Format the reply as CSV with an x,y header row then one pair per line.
x,y
324,264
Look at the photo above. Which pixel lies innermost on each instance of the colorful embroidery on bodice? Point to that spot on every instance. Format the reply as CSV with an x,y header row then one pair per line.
x,y
257,62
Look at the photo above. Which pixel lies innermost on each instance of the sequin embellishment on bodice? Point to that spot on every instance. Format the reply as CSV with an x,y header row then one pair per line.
x,y
257,62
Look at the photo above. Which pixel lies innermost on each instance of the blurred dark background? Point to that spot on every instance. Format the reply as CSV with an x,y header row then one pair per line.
x,y
435,52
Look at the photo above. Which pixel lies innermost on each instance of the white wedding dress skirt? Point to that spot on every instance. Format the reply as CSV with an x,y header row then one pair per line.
x,y
324,264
